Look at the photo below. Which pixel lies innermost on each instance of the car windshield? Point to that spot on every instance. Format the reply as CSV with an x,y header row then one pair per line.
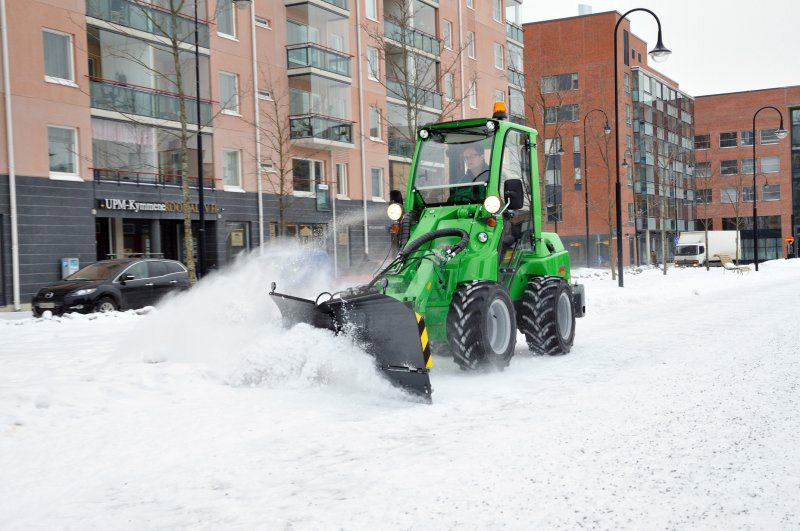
x,y
687,250
453,166
97,271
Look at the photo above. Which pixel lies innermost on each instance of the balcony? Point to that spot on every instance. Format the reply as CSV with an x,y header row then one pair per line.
x,y
400,147
341,4
646,224
411,94
414,38
515,33
311,55
316,129
117,176
146,17
645,188
143,101
516,79
517,119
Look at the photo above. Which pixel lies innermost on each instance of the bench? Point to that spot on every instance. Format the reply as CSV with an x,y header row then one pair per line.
x,y
728,264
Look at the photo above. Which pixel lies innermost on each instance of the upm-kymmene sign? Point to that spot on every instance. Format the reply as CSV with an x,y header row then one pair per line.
x,y
132,205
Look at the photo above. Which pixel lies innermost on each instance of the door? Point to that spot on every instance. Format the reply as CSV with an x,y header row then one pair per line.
x,y
160,278
138,292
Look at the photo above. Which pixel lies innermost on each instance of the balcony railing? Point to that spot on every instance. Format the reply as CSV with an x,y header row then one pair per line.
x,y
401,147
316,126
413,37
147,17
516,79
517,119
142,101
645,188
514,32
310,54
147,178
413,94
341,4
646,223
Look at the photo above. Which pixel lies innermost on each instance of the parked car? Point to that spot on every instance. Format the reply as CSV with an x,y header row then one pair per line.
x,y
111,285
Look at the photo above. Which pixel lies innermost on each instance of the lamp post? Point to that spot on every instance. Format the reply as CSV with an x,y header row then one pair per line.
x,y
201,207
658,54
607,131
781,134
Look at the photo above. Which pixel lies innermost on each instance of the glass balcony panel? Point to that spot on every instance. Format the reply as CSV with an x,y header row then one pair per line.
x,y
342,4
320,127
413,94
516,79
145,102
143,17
313,55
515,32
401,147
413,37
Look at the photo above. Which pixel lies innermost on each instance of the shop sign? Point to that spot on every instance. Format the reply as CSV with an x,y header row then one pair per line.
x,y
132,205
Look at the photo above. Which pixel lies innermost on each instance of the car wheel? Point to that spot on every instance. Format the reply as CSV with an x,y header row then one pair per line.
x,y
105,305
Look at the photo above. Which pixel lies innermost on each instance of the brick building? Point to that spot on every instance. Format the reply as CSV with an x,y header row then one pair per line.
x,y
94,112
570,73
724,172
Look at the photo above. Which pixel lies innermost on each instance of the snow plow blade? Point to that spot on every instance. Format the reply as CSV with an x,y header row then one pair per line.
x,y
391,332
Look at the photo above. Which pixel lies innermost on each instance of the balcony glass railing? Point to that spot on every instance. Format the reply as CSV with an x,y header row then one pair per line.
x,y
321,127
515,78
316,56
517,119
147,178
342,4
413,94
413,38
141,101
146,17
401,147
515,32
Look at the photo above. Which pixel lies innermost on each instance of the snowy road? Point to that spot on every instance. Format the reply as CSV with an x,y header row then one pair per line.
x,y
677,408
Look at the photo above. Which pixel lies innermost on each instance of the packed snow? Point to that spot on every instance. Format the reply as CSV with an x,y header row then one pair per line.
x,y
677,408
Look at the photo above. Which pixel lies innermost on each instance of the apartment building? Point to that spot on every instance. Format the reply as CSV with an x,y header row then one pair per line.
x,y
723,142
569,66
305,108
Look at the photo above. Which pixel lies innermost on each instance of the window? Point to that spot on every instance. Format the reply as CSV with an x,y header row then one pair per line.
x,y
265,95
62,149
727,140
498,56
576,161
499,95
471,45
497,10
448,86
728,195
627,114
371,9
471,4
703,195
771,164
627,83
231,171
564,113
771,192
447,34
702,141
747,166
229,93
747,194
377,182
768,136
226,21
373,64
374,123
552,146
341,179
630,213
263,23
268,166
473,96
58,57
306,174
560,83
702,169
237,239
747,138
729,167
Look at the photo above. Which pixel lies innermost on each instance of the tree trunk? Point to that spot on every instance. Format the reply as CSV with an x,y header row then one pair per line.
x,y
706,253
664,236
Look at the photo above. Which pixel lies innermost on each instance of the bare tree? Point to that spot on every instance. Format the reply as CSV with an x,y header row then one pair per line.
x,y
708,179
603,142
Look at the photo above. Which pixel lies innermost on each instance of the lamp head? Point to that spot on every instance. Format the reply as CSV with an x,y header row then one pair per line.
x,y
660,53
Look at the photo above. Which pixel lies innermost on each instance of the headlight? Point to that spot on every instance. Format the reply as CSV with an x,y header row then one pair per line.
x,y
395,211
492,204
491,126
424,134
84,291
483,237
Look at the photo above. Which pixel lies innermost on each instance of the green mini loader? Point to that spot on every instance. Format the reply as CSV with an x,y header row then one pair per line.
x,y
472,265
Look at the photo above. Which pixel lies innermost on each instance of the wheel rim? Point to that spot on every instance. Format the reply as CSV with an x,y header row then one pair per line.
x,y
564,315
106,307
498,326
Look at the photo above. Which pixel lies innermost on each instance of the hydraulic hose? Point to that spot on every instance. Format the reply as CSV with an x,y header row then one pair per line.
x,y
441,233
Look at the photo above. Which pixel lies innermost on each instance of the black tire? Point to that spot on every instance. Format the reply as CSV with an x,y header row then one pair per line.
x,y
476,332
547,330
106,304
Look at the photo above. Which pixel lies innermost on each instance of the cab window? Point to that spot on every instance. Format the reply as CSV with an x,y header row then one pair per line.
x,y
138,270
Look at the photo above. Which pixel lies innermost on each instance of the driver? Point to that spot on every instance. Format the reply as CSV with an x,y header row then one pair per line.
x,y
477,169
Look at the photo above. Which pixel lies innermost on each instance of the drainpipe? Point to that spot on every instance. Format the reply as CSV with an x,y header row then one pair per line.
x,y
361,120
12,177
461,59
257,108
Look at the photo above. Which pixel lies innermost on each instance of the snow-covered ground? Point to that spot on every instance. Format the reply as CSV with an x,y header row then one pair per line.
x,y
678,407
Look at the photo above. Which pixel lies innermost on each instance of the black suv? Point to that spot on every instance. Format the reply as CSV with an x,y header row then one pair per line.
x,y
111,285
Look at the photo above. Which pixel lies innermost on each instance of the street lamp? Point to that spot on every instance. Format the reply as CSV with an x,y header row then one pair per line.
x,y
607,131
201,206
658,54
780,134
